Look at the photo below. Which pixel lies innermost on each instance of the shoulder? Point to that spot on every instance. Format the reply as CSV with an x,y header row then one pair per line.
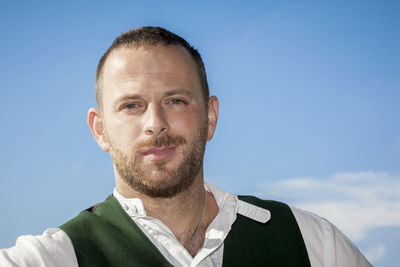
x,y
325,243
261,210
88,221
52,247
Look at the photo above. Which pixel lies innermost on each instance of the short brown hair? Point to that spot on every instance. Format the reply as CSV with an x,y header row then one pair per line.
x,y
152,36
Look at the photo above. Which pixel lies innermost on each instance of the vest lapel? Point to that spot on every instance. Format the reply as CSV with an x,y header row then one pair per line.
x,y
106,236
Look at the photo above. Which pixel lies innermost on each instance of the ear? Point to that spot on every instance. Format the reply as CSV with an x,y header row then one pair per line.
x,y
213,106
96,125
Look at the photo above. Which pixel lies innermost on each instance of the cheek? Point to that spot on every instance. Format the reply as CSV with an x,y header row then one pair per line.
x,y
123,134
188,125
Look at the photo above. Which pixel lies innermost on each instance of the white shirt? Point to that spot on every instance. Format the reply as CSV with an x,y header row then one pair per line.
x,y
326,245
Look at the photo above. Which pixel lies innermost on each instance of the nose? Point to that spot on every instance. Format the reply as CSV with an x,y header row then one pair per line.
x,y
155,121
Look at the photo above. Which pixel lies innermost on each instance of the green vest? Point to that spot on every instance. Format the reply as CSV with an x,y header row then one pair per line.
x,y
104,235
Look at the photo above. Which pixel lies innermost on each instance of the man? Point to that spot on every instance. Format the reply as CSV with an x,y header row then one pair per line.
x,y
155,116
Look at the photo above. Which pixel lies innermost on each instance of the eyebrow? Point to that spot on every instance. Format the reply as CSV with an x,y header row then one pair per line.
x,y
179,92
127,98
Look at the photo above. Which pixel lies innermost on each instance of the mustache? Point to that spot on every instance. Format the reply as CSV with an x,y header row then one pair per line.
x,y
160,141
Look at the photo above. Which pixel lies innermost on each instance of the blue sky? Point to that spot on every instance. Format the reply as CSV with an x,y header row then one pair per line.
x,y
309,111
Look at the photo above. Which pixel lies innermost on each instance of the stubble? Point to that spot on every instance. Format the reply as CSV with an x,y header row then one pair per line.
x,y
156,180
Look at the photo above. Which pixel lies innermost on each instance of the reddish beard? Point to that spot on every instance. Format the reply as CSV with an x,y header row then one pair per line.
x,y
161,182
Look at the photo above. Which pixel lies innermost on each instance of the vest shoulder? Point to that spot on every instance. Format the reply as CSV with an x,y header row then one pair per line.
x,y
276,242
266,204
280,213
89,216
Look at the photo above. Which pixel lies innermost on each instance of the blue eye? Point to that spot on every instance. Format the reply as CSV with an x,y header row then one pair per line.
x,y
131,106
176,101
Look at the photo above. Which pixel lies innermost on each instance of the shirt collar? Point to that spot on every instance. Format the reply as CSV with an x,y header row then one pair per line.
x,y
243,208
134,206
253,212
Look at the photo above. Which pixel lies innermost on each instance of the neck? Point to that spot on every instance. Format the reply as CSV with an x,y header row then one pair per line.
x,y
181,213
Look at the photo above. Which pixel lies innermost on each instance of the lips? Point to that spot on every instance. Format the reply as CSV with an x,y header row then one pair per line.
x,y
158,153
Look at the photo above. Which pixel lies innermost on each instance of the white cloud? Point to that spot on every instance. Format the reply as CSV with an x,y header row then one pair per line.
x,y
355,202
376,253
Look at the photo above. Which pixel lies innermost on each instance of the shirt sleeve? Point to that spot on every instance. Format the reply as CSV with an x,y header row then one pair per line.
x,y
326,245
52,248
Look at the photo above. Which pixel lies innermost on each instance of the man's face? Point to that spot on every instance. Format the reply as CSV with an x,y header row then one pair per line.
x,y
154,117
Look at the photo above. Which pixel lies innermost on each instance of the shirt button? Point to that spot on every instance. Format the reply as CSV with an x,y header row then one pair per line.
x,y
134,210
126,207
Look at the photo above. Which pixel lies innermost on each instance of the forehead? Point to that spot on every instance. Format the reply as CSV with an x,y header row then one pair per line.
x,y
171,65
